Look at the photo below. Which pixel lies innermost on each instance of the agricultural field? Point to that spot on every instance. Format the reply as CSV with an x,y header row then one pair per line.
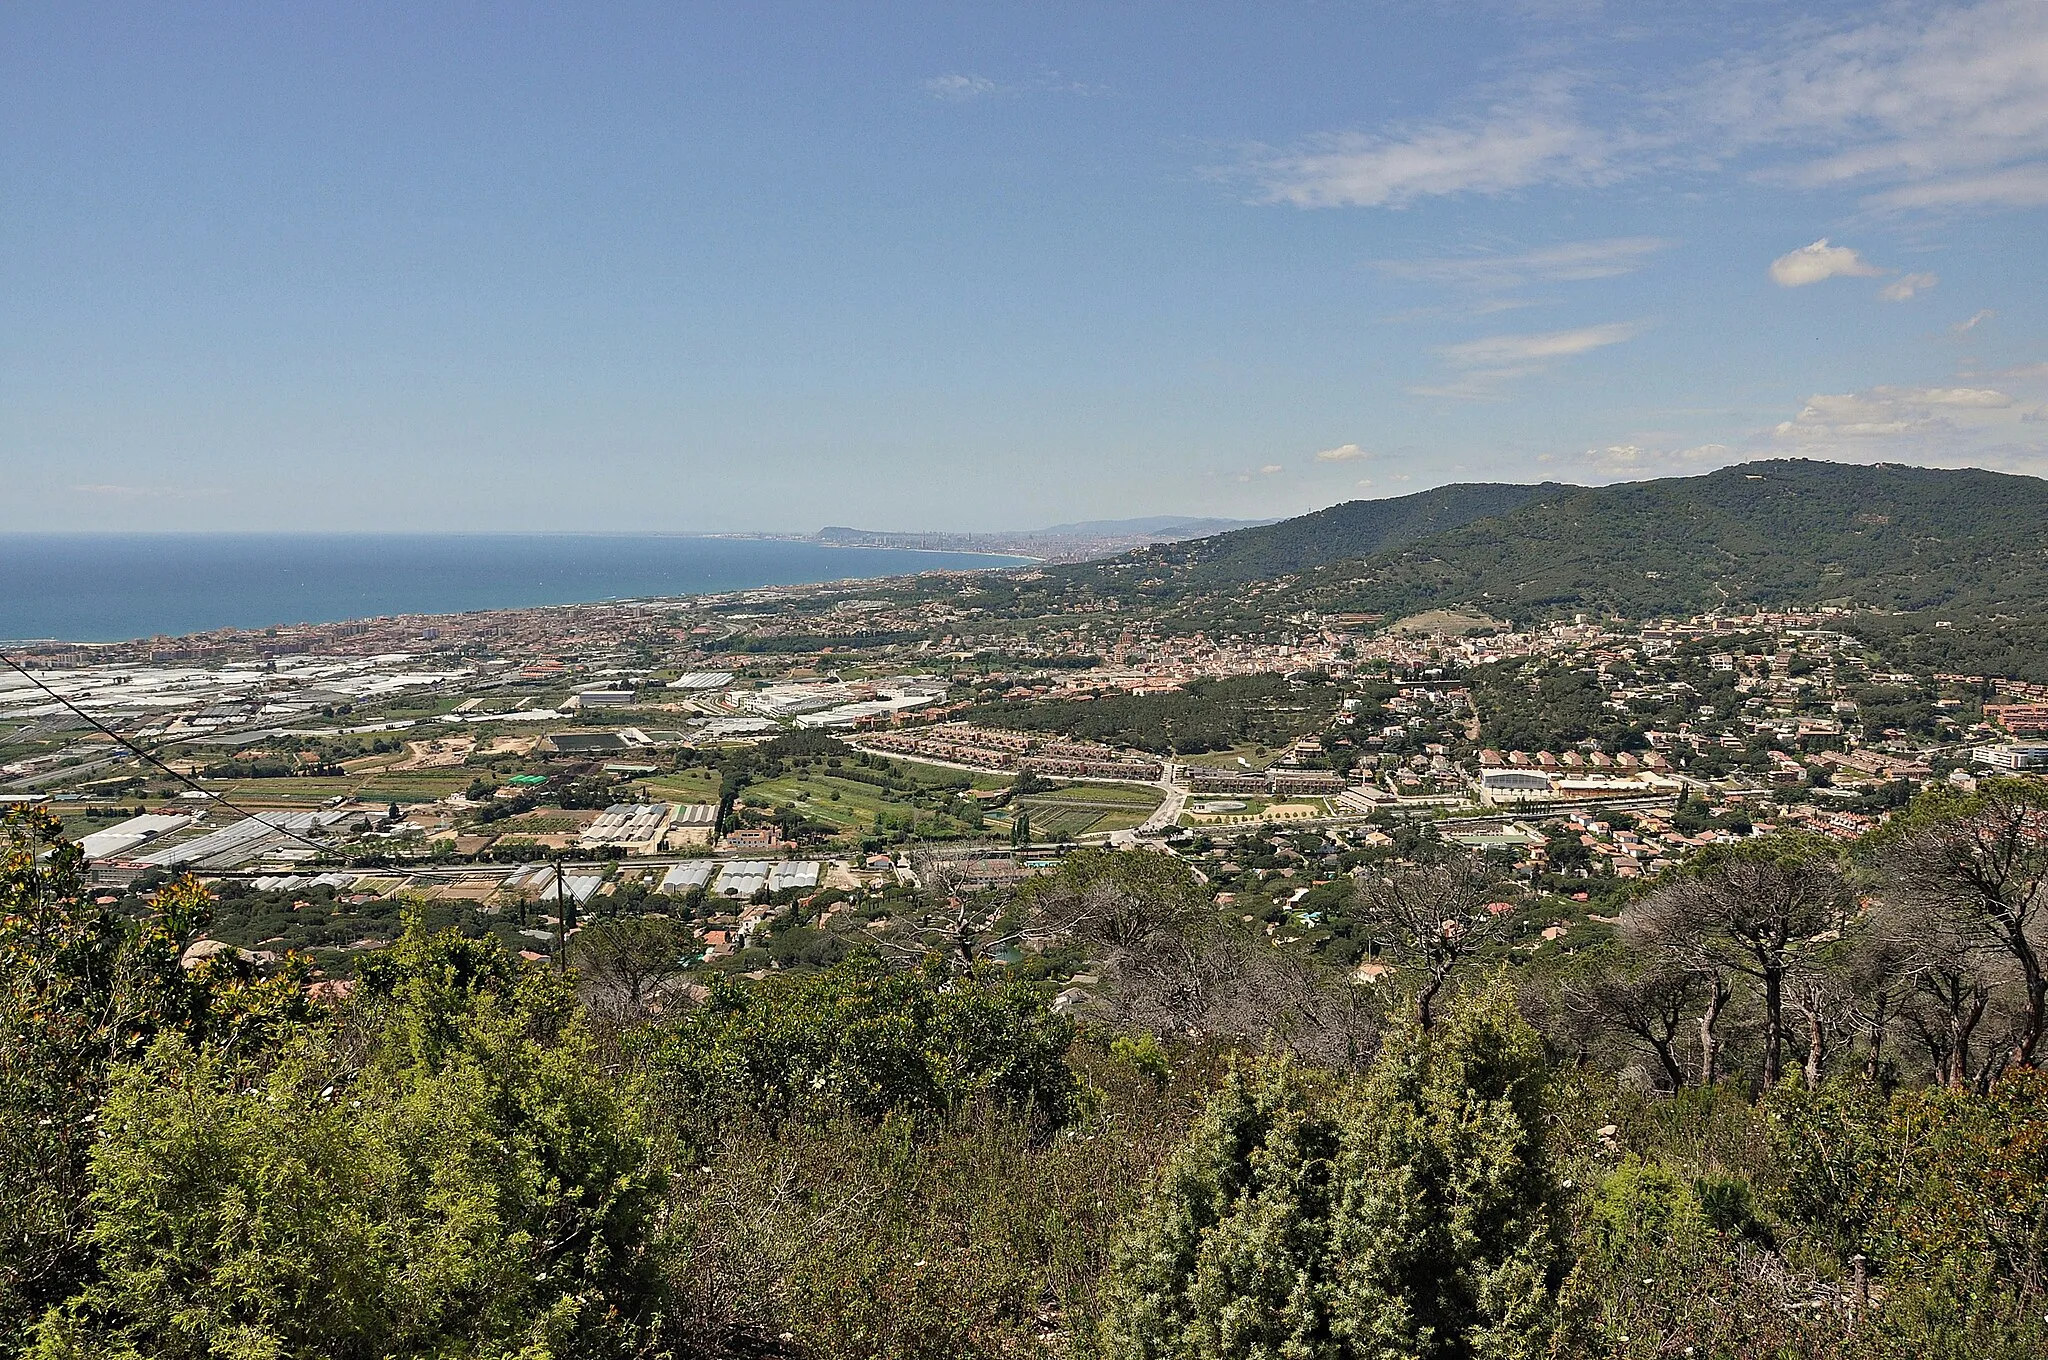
x,y
546,822
698,784
379,786
1080,809
412,786
284,793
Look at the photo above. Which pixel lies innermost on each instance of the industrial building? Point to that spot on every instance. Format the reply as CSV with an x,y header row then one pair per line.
x,y
124,836
701,680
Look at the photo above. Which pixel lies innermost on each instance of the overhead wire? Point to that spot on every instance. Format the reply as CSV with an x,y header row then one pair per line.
x,y
152,758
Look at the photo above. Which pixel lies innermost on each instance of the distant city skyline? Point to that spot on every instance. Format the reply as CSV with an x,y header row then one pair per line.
x,y
638,267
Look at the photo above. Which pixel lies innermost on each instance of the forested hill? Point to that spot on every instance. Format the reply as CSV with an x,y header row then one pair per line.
x,y
1782,532
1354,529
1966,542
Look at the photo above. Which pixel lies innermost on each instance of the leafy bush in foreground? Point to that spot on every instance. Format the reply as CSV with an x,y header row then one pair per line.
x,y
444,1171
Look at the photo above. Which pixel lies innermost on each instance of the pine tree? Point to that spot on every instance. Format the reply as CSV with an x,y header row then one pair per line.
x,y
1411,1217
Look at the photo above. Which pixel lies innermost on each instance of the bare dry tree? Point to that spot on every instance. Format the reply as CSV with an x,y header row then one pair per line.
x,y
1947,977
1979,863
1757,909
955,924
1117,899
1223,981
1820,1000
1171,964
1432,916
1649,1000
1873,967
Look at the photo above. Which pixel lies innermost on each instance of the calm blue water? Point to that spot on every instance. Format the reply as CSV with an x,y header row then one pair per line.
x,y
109,587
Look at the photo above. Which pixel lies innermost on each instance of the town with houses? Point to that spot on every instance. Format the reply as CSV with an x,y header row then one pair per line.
x,y
523,770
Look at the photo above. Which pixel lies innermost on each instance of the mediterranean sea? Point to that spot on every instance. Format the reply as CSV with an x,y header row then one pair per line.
x,y
112,587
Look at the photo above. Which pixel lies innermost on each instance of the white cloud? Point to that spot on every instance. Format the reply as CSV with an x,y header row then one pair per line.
x,y
1638,460
1516,143
1571,262
1930,107
1965,327
2029,375
119,491
1899,289
957,86
1811,264
2023,186
1934,415
1269,469
1922,108
1961,423
1514,351
1343,453
1494,360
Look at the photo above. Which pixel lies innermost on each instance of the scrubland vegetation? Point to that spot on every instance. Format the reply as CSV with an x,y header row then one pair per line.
x,y
1793,1109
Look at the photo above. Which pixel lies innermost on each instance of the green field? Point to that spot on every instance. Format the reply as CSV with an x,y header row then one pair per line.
x,y
1257,757
543,823
1079,809
282,792
394,786
413,786
851,805
698,785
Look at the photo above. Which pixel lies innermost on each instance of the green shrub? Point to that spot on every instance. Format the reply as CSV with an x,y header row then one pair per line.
x,y
446,1171
866,1040
1412,1214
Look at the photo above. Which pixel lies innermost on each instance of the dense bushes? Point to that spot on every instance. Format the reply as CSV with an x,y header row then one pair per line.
x,y
867,1161
1208,715
1836,1224
864,1040
441,1170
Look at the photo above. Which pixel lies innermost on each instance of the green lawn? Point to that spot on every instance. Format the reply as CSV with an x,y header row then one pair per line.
x,y
941,774
847,804
1258,757
698,785
1079,809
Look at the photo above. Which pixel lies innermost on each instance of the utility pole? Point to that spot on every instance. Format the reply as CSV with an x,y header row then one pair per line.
x,y
561,918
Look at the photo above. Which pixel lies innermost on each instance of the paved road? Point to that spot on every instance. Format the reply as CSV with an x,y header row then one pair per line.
x,y
36,781
1168,812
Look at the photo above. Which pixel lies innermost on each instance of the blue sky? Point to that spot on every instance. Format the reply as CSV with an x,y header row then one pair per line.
x,y
424,266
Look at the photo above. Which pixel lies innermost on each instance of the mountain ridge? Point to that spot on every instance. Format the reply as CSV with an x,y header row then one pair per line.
x,y
1885,537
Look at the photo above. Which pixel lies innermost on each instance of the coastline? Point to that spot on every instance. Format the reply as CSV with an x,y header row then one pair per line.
x,y
94,589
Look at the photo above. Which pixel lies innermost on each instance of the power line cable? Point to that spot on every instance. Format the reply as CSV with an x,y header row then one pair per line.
x,y
152,758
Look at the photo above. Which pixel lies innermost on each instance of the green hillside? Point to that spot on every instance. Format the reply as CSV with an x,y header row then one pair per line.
x,y
1772,533
1962,545
1354,529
